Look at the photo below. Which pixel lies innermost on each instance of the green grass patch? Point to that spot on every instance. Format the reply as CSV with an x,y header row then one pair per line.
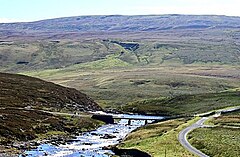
x,y
109,62
50,134
217,141
157,138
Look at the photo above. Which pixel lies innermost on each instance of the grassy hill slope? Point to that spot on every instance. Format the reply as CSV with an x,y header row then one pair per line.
x,y
21,56
185,104
129,40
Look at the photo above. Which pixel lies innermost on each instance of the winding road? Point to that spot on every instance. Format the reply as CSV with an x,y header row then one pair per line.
x,y
182,137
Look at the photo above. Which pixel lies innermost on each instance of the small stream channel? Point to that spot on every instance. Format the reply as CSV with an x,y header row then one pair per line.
x,y
94,143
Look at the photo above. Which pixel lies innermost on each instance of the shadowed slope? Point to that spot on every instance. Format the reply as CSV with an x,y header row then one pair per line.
x,y
22,91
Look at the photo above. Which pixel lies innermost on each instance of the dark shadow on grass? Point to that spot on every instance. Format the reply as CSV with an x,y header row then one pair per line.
x,y
130,153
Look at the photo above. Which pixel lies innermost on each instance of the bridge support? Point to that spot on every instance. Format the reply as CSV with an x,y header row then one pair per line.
x,y
129,121
145,122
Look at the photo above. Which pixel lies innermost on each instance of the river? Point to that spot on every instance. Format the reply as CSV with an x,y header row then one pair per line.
x,y
94,143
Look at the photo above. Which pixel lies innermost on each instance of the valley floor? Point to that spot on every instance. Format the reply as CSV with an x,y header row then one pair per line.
x,y
116,87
